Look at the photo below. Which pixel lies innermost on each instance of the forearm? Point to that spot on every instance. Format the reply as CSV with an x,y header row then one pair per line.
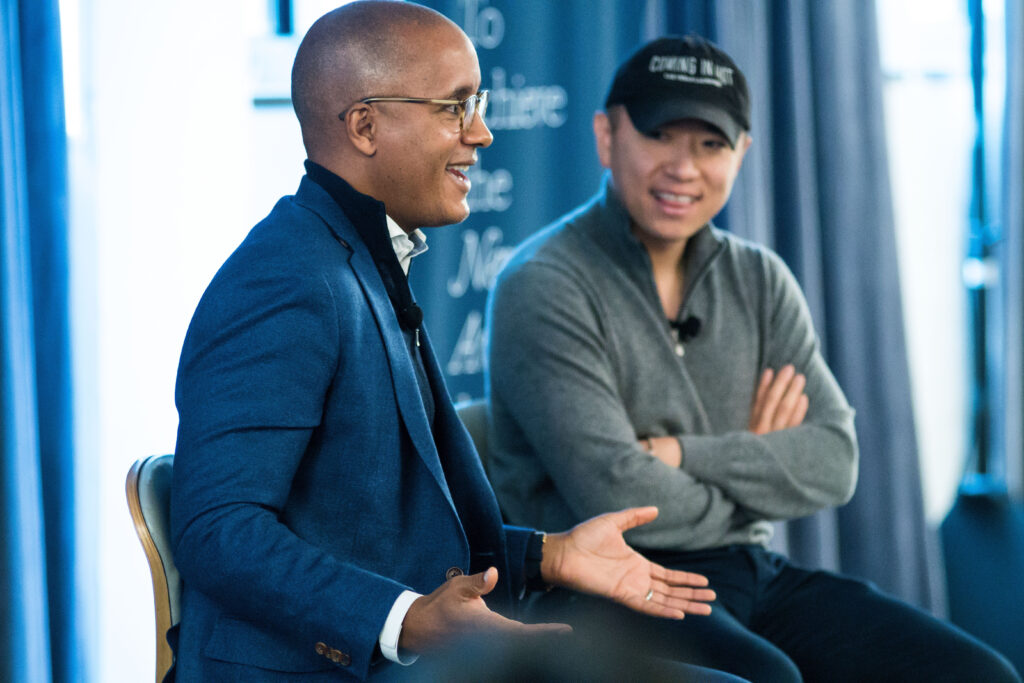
x,y
596,464
557,405
232,545
302,591
692,512
779,475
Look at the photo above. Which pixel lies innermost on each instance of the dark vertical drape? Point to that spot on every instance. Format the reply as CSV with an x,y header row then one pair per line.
x,y
1010,421
39,638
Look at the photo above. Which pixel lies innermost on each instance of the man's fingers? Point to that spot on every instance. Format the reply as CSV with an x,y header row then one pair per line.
x,y
757,416
780,401
684,593
688,606
477,585
661,607
674,577
544,629
678,587
767,407
495,623
633,517
762,386
786,410
695,595
778,389
488,581
675,604
801,411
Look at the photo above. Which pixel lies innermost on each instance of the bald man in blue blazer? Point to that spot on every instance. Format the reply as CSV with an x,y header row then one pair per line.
x,y
330,516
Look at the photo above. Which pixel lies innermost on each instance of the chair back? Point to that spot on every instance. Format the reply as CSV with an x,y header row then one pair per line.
x,y
149,500
473,414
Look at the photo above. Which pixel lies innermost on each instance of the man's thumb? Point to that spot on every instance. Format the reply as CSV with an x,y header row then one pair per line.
x,y
487,581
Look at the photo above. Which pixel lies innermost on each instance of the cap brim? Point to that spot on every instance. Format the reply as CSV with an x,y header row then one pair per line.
x,y
648,116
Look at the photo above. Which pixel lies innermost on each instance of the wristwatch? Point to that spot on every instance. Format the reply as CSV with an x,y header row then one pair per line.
x,y
534,555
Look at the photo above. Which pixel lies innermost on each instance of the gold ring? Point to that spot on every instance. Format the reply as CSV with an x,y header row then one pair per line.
x,y
650,594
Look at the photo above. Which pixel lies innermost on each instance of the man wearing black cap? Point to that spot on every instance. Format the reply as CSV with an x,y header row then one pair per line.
x,y
638,353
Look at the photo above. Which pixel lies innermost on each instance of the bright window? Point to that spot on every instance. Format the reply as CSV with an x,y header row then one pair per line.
x,y
925,50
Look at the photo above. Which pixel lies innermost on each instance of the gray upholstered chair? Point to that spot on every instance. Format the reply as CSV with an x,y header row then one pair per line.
x,y
149,500
474,415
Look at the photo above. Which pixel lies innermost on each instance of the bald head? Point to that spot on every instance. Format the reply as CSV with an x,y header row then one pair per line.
x,y
355,51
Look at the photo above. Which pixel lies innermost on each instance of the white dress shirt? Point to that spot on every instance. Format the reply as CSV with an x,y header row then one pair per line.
x,y
406,246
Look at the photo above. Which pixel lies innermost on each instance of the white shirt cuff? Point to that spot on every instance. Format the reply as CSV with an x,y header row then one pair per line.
x,y
393,629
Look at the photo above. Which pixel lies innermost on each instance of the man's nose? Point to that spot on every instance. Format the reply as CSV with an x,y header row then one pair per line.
x,y
683,161
477,133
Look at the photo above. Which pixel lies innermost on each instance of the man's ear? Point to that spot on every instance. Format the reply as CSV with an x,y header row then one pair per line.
x,y
361,128
603,138
742,145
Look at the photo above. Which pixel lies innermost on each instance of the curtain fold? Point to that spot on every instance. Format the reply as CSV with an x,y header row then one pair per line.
x,y
815,187
39,631
1012,252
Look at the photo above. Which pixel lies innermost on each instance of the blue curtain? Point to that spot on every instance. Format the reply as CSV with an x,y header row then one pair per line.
x,y
815,187
39,636
1010,421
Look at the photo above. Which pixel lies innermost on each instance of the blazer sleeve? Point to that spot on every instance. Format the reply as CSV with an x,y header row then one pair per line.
x,y
258,361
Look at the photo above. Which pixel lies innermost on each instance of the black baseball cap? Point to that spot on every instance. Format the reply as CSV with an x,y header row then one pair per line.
x,y
674,78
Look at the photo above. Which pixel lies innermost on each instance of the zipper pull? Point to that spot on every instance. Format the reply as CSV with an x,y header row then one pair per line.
x,y
417,332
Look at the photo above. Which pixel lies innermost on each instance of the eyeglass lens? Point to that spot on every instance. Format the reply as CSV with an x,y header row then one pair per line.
x,y
474,103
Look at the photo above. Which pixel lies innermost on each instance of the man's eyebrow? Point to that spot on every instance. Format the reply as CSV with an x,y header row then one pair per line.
x,y
462,93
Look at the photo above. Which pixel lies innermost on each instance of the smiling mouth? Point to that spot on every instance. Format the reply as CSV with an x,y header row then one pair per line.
x,y
675,198
459,173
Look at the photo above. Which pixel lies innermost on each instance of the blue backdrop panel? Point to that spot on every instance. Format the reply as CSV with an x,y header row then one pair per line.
x,y
547,66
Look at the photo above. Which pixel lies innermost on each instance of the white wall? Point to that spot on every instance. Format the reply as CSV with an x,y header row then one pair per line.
x,y
930,125
171,167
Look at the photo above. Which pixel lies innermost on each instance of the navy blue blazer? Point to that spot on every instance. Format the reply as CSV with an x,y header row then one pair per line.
x,y
309,489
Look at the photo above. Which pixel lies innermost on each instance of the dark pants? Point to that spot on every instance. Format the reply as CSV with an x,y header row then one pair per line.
x,y
546,659
776,622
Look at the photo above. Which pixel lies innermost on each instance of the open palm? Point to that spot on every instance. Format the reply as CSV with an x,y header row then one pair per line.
x,y
593,557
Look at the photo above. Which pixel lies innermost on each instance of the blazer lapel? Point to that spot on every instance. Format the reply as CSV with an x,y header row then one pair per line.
x,y
465,472
403,375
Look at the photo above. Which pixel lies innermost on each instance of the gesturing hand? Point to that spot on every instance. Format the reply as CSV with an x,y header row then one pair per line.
x,y
780,401
456,609
594,558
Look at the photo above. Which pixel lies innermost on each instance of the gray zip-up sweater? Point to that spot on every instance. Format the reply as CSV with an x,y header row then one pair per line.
x,y
582,363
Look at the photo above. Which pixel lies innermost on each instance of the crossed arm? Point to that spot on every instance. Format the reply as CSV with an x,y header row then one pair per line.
x,y
578,387
779,403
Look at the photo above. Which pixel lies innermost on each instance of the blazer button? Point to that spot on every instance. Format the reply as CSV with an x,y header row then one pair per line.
x,y
344,660
452,573
334,656
321,649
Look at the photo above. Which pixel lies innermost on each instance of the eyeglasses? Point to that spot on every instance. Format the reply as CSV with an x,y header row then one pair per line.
x,y
467,108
